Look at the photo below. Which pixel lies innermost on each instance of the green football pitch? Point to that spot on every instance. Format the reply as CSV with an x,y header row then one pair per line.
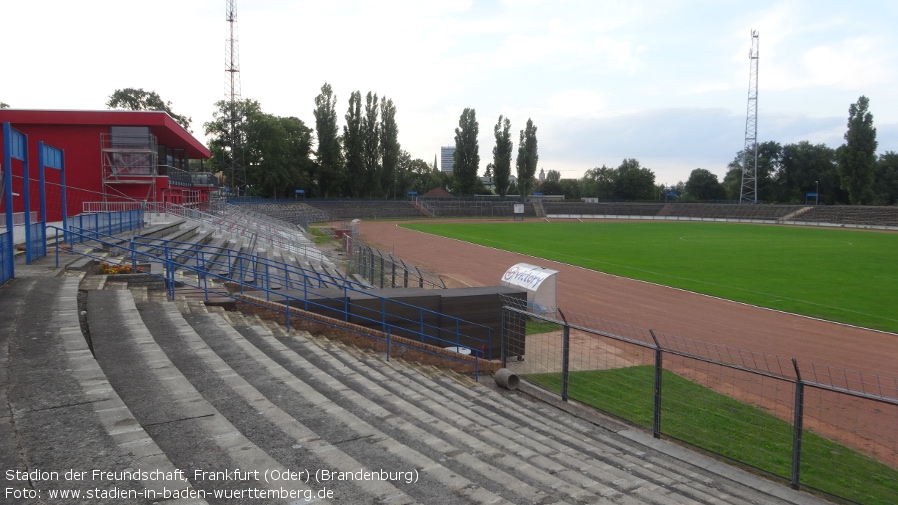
x,y
849,276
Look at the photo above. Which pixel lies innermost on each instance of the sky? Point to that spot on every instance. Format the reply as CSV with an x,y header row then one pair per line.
x,y
664,82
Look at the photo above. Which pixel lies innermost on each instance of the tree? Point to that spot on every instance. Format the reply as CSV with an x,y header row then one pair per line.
x,y
528,157
467,155
857,159
703,185
329,168
371,140
571,188
886,179
354,147
138,99
551,188
4,105
502,155
389,145
221,141
598,183
805,167
279,149
769,154
633,182
416,174
553,176
275,150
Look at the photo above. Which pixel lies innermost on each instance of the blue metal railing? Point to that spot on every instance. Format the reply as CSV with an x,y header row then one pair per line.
x,y
6,259
294,287
104,223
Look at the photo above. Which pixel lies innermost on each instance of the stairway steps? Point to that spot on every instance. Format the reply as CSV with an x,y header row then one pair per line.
x,y
188,429
601,449
467,450
62,413
318,452
572,430
436,405
351,407
371,441
631,472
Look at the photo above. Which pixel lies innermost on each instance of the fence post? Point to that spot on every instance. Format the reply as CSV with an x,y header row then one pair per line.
x,y
503,328
797,427
659,367
267,283
565,356
201,270
383,315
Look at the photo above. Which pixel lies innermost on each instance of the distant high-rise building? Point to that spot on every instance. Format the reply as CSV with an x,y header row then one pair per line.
x,y
447,159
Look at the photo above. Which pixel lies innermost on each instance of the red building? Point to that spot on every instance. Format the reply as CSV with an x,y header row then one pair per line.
x,y
113,156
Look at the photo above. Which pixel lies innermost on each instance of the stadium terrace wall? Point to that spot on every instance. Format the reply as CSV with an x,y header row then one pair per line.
x,y
863,217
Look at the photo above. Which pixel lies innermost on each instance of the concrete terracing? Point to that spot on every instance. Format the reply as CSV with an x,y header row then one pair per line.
x,y
228,399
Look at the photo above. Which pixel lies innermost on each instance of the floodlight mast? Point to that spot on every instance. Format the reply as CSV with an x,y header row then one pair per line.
x,y
237,181
749,191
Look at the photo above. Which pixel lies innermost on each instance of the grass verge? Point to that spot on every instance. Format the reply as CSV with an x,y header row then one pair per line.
x,y
738,431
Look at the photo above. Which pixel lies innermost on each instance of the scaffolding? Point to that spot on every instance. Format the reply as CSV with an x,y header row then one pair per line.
x,y
129,159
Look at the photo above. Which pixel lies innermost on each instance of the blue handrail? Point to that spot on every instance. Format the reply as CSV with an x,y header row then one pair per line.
x,y
208,265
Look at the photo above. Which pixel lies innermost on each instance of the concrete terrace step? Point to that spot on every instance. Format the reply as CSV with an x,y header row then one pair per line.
x,y
58,411
500,470
541,434
310,449
424,403
313,403
194,435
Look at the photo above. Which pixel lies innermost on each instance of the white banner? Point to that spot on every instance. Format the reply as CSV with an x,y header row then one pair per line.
x,y
539,283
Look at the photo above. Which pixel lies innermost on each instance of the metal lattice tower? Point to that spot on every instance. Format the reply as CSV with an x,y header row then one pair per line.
x,y
237,180
749,191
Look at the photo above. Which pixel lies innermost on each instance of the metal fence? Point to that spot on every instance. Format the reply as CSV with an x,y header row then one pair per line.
x,y
383,270
815,426
105,223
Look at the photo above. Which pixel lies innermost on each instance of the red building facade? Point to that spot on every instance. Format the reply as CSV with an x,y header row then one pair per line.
x,y
113,156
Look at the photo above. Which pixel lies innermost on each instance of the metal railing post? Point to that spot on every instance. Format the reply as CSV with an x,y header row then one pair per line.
x,y
565,357
659,367
503,330
797,427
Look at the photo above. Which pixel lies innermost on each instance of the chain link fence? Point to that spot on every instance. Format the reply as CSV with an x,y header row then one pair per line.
x,y
814,426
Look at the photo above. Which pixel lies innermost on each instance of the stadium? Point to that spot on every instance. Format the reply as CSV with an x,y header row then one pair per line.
x,y
337,335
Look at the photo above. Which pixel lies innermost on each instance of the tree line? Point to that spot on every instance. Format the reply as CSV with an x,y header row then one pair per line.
x,y
465,178
849,174
365,158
